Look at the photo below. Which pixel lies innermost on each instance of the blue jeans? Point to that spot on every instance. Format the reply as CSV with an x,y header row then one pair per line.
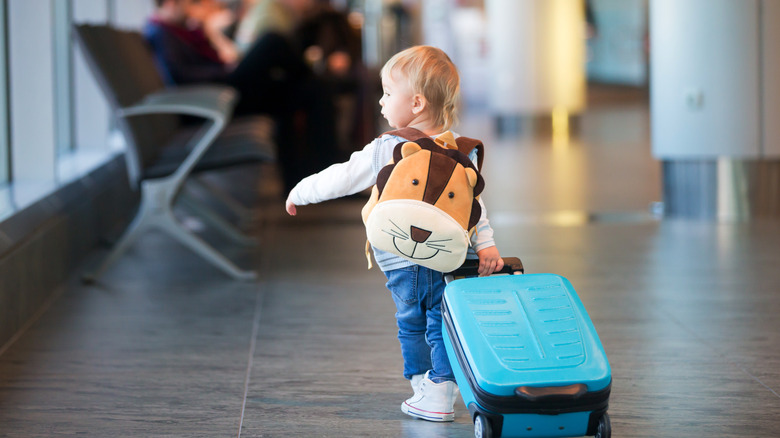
x,y
417,292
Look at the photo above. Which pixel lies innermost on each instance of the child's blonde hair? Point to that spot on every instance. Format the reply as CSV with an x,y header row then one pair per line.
x,y
430,72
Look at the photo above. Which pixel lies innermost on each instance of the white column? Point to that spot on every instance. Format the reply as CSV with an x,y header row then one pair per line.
x,y
537,56
372,45
437,24
704,78
5,141
770,85
715,103
63,76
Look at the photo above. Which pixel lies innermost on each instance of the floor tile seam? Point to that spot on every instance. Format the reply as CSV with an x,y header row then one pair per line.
x,y
719,352
58,292
757,379
268,235
250,360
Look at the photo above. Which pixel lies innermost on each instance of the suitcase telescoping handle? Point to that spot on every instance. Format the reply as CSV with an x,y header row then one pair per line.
x,y
470,268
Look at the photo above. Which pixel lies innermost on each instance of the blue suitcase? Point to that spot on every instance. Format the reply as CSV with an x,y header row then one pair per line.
x,y
525,355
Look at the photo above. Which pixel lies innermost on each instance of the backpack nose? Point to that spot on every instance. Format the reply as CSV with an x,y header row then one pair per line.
x,y
419,235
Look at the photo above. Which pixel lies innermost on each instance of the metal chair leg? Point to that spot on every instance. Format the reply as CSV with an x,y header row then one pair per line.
x,y
139,225
227,229
156,211
244,214
203,249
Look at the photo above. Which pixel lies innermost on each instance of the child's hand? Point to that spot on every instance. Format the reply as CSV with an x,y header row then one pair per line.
x,y
489,261
290,207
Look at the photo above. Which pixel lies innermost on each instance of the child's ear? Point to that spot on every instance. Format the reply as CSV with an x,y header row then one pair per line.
x,y
418,103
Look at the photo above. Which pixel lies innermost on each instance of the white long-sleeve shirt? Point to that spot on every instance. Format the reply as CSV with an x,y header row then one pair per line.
x,y
360,173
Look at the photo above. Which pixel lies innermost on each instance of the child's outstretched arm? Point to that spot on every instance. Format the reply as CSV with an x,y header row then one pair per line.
x,y
490,261
290,207
335,181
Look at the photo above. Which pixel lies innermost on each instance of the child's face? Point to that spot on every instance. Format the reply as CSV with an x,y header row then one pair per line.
x,y
398,101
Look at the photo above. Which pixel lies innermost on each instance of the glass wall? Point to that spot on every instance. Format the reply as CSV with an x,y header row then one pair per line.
x,y
54,120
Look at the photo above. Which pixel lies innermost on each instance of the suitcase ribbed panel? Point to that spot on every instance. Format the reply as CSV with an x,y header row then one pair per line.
x,y
530,328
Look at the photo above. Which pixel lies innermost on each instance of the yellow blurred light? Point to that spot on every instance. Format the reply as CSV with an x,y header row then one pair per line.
x,y
560,127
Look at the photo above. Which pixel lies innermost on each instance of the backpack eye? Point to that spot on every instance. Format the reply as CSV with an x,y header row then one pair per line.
x,y
451,195
415,182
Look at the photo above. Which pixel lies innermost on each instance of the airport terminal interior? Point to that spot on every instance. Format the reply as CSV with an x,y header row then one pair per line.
x,y
165,344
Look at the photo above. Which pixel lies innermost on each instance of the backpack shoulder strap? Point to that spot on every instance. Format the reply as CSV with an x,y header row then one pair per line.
x,y
466,145
411,134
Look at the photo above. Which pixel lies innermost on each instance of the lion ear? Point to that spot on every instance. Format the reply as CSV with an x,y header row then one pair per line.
x,y
471,175
409,148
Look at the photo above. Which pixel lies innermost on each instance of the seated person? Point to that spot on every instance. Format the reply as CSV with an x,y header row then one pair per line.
x,y
329,45
263,16
185,54
270,77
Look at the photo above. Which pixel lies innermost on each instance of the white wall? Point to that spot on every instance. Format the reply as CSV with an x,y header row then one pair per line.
x,y
704,78
130,14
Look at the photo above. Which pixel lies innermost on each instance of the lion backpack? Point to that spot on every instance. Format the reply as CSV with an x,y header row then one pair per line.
x,y
424,206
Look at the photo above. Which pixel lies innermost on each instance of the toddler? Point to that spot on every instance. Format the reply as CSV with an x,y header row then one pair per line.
x,y
421,90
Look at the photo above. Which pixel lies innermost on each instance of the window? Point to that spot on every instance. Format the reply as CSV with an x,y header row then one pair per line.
x,y
4,142
55,124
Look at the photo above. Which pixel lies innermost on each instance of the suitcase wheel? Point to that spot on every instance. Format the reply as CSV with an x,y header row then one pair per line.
x,y
482,427
604,429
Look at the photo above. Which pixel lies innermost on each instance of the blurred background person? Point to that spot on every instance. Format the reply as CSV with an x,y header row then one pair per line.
x,y
190,46
328,44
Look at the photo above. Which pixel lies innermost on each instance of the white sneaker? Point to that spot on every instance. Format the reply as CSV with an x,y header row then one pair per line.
x,y
432,401
415,381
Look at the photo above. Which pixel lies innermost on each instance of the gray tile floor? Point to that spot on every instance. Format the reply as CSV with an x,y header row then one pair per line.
x,y
167,346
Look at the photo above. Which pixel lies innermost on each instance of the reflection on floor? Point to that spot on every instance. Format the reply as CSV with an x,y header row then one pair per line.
x,y
165,345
